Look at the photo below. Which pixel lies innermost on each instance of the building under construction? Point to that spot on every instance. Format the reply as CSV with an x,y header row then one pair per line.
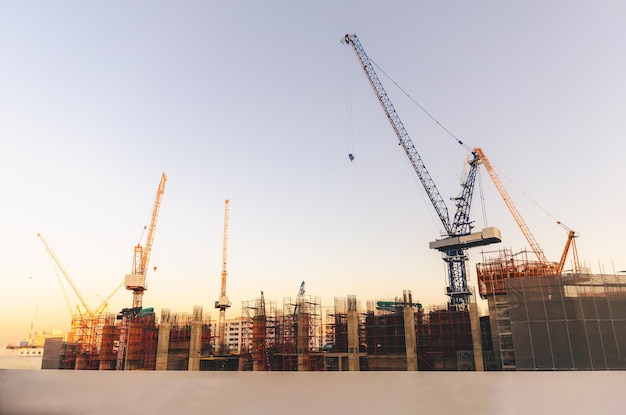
x,y
386,335
541,321
535,322
133,340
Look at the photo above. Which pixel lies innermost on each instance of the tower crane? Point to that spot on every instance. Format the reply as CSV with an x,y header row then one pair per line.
x,y
85,322
458,231
549,268
136,280
223,303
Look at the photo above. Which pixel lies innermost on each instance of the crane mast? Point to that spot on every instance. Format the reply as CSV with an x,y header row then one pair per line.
x,y
223,303
136,281
453,247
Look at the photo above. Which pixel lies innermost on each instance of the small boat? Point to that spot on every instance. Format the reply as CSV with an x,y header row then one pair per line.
x,y
30,351
25,349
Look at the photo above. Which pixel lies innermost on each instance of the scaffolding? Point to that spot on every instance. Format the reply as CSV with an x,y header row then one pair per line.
x,y
86,344
398,335
386,335
284,356
142,342
493,272
299,335
341,341
109,346
179,346
448,333
258,334
282,340
69,352
385,340
336,328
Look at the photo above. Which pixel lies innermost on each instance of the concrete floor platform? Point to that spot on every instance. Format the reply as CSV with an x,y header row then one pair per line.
x,y
100,392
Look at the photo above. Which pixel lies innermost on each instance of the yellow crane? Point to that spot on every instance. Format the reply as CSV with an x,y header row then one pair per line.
x,y
136,281
223,303
82,322
86,319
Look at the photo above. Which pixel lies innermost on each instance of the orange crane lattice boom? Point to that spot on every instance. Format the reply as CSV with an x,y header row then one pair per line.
x,y
509,203
136,281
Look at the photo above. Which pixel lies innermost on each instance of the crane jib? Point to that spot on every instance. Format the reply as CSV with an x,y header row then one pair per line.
x,y
416,161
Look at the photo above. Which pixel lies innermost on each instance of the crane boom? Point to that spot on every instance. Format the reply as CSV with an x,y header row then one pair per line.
x,y
136,281
105,303
509,203
145,258
403,136
65,274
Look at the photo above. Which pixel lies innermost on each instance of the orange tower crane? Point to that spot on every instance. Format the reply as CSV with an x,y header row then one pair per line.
x,y
136,281
223,303
509,203
550,268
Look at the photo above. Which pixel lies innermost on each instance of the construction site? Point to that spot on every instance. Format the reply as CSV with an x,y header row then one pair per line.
x,y
540,317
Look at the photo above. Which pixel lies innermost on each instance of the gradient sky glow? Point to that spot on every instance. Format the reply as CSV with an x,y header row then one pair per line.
x,y
258,102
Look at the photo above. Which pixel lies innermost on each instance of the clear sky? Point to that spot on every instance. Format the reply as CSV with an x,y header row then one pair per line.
x,y
260,103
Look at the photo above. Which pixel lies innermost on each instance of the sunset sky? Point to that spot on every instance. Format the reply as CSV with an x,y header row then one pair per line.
x,y
260,103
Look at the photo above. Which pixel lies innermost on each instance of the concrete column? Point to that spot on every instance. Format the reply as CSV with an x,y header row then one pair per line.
x,y
303,341
353,341
409,339
163,342
476,338
259,325
195,343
